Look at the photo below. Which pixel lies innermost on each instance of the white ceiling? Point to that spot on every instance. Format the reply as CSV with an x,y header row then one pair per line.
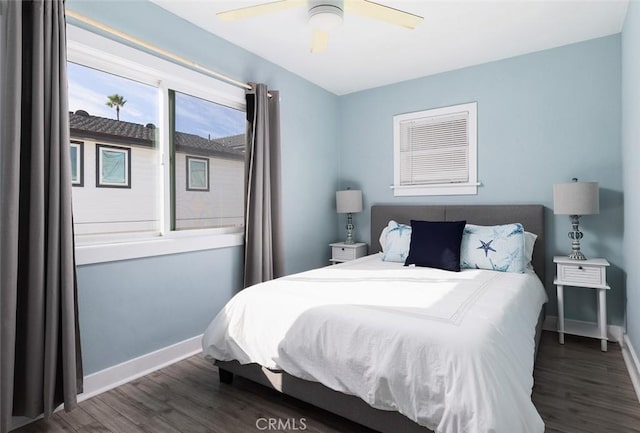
x,y
365,53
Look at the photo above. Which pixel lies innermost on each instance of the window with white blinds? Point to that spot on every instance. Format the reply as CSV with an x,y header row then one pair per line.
x,y
435,151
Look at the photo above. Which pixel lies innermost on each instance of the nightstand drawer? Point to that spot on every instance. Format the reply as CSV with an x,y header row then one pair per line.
x,y
581,274
343,253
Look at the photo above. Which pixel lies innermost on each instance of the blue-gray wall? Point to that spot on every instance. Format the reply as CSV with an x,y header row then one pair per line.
x,y
631,165
543,118
119,300
130,308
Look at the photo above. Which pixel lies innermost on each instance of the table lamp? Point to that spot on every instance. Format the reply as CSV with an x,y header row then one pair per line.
x,y
349,201
576,199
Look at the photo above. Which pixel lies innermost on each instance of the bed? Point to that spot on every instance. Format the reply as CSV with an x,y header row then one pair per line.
x,y
364,367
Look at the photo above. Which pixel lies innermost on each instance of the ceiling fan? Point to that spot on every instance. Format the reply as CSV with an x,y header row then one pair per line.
x,y
326,15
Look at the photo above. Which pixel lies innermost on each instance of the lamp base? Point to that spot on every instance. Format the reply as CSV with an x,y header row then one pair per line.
x,y
349,239
575,235
577,255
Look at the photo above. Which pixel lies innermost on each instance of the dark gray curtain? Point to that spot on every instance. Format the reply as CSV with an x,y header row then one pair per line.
x,y
40,365
263,235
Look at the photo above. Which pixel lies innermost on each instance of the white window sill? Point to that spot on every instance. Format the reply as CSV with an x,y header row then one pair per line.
x,y
439,189
180,243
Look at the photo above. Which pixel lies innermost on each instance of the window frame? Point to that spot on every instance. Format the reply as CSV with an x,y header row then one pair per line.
x,y
92,50
79,163
189,187
467,188
126,151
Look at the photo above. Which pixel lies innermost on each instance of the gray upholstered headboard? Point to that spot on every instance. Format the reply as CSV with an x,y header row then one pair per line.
x,y
530,216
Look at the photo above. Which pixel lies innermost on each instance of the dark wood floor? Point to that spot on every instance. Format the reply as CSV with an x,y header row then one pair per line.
x,y
579,389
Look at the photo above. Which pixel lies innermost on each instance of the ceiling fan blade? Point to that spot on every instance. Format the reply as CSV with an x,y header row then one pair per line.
x,y
266,8
319,41
383,13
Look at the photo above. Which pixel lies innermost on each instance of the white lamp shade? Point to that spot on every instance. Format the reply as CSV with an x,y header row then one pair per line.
x,y
576,198
349,201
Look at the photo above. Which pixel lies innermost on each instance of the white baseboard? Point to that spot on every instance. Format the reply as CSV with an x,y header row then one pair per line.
x,y
614,332
117,375
633,364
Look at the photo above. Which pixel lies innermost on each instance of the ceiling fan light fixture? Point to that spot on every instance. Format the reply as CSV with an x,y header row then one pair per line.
x,y
325,17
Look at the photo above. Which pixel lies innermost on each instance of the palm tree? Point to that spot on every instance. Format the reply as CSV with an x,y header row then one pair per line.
x,y
117,101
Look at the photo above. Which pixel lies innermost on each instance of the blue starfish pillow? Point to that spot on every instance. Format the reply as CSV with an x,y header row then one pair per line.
x,y
498,248
395,240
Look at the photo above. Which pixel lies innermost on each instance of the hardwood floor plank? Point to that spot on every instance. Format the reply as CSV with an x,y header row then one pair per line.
x,y
80,419
580,389
176,418
110,418
83,422
202,408
54,424
146,420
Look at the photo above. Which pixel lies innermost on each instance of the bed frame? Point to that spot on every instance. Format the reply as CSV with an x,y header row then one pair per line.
x,y
354,408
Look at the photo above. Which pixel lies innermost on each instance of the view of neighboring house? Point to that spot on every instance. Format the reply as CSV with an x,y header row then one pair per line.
x,y
116,176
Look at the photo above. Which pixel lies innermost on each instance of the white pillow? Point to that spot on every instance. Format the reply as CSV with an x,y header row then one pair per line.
x,y
395,240
529,242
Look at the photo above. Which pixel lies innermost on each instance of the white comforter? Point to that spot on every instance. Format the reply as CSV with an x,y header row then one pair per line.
x,y
451,351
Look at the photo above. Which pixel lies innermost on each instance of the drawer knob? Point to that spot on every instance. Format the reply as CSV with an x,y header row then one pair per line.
x,y
343,250
580,267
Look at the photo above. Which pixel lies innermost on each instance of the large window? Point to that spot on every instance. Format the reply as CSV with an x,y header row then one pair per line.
x,y
119,157
156,148
208,142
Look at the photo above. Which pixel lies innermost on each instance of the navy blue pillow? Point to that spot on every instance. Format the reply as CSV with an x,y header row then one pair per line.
x,y
436,244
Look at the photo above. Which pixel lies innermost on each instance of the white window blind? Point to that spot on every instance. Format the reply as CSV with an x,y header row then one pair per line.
x,y
435,151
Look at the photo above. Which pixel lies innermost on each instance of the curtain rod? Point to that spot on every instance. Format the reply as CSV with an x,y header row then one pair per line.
x,y
156,49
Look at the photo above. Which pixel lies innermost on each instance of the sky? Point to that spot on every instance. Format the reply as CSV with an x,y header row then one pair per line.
x,y
89,88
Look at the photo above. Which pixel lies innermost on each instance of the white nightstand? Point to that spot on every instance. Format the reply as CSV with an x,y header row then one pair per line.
x,y
591,274
341,252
